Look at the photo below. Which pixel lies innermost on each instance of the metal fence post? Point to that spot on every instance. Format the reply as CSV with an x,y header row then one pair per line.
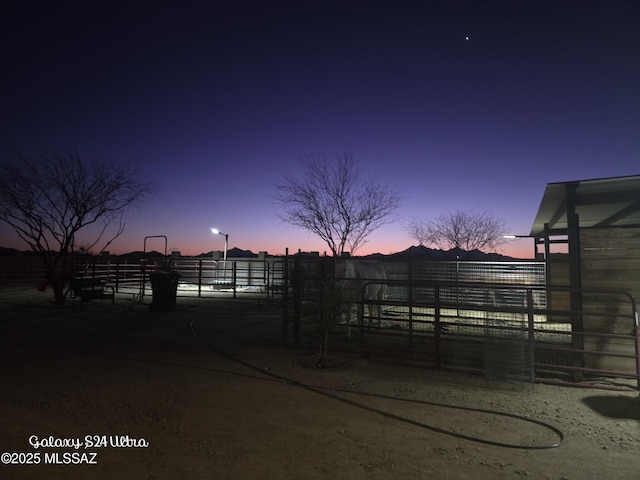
x,y
410,298
532,333
234,272
297,300
284,325
437,328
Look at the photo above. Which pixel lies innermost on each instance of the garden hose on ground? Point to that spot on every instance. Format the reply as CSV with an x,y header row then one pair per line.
x,y
332,393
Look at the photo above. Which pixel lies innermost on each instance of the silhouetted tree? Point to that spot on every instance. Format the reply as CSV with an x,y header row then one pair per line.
x,y
466,230
333,201
49,199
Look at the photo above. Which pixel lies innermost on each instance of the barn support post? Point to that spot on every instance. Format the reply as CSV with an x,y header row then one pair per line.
x,y
547,271
575,278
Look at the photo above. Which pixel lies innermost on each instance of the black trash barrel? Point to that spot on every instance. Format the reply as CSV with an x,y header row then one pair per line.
x,y
164,286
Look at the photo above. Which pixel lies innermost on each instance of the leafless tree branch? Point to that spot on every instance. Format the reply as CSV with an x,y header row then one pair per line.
x,y
466,230
334,202
49,199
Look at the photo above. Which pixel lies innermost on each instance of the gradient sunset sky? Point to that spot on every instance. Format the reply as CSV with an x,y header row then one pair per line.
x,y
459,105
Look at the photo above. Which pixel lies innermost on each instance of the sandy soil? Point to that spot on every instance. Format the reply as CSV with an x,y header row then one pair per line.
x,y
240,406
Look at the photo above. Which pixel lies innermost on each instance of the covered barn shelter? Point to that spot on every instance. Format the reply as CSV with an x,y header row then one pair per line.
x,y
596,226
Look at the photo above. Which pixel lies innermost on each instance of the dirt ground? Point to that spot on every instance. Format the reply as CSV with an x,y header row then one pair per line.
x,y
121,392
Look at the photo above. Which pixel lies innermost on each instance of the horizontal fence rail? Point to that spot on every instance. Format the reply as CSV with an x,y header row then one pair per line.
x,y
21,269
492,317
500,323
197,277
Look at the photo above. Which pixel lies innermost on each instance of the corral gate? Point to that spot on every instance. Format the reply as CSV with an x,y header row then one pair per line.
x,y
490,317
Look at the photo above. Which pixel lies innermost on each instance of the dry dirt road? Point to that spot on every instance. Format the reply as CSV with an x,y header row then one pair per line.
x,y
138,395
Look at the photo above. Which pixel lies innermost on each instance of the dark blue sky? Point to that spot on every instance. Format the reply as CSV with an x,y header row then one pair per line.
x,y
215,100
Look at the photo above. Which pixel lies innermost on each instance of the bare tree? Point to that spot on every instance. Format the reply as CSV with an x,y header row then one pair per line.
x,y
334,202
48,200
466,230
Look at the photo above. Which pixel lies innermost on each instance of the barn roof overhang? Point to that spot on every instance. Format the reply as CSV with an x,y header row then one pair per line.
x,y
604,202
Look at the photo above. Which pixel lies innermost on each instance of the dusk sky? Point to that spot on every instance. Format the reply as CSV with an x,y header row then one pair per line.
x,y
459,105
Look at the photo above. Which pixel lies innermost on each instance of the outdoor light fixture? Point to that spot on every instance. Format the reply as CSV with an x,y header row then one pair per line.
x,y
535,242
215,231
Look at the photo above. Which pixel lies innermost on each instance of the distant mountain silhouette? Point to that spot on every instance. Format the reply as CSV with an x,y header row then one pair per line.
x,y
424,253
418,252
8,252
234,252
140,254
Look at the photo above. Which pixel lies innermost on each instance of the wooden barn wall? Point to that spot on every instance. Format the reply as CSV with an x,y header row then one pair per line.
x,y
558,268
610,259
